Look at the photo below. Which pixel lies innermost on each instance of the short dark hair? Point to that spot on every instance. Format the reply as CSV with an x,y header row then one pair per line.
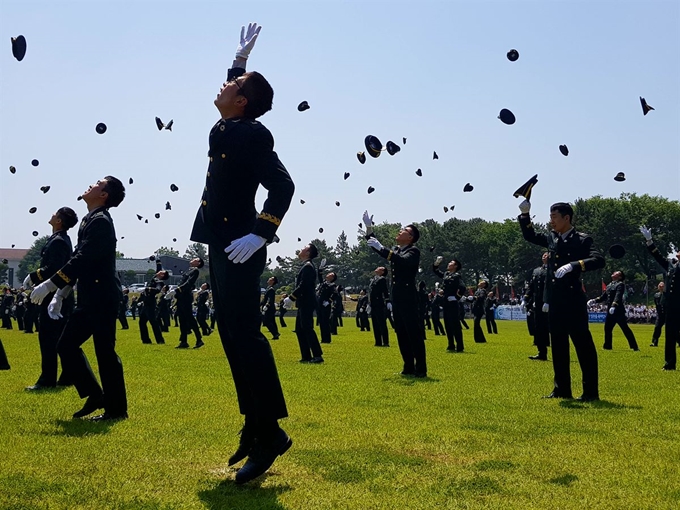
x,y
207,285
259,93
414,232
623,275
67,216
459,265
564,209
276,280
116,191
164,275
313,251
335,276
201,262
385,271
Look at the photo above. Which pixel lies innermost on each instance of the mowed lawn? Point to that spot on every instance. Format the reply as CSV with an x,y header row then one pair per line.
x,y
475,434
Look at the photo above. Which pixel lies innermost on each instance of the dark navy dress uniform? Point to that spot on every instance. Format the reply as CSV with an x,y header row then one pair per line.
x,y
184,297
241,158
453,286
378,296
540,325
93,268
304,296
613,296
268,305
660,319
568,312
478,312
325,299
54,255
670,300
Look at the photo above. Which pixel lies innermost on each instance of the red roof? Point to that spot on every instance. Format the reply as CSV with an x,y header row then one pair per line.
x,y
12,254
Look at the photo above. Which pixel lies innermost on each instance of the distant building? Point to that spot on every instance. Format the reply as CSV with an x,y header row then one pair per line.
x,y
13,256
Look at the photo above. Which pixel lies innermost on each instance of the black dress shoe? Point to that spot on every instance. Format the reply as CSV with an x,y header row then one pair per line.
x,y
109,417
182,345
539,357
317,359
304,360
91,405
275,337
263,455
587,398
607,347
38,387
668,367
245,445
554,394
199,344
420,375
407,372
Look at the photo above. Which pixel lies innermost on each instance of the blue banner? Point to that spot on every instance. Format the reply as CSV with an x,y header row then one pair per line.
x,y
517,313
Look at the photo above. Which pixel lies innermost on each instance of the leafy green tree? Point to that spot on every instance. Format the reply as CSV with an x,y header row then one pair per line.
x,y
31,260
196,250
164,250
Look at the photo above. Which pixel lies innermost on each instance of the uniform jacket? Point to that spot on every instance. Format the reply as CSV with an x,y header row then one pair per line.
x,y
269,301
185,290
613,295
453,283
378,293
56,252
657,302
478,303
671,295
241,158
305,283
93,263
404,262
534,296
362,304
577,249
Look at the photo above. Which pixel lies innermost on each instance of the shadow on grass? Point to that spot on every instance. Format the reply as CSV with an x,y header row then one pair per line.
x,y
565,480
225,494
598,404
80,428
405,380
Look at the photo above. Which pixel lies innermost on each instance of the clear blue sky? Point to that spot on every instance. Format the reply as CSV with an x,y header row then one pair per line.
x,y
433,72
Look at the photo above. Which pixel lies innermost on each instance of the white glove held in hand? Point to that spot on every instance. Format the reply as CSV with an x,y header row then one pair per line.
x,y
265,308
368,220
41,291
566,268
525,207
28,283
240,250
612,310
438,260
546,308
591,302
248,39
374,243
389,306
646,232
54,308
325,303
451,298
323,264
288,303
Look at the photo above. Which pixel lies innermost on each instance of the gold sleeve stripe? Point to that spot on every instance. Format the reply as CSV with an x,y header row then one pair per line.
x,y
268,217
40,276
389,255
63,276
583,265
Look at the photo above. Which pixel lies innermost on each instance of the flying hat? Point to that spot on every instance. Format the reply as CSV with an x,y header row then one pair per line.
x,y
371,189
168,207
506,116
174,239
19,47
5,261
304,105
403,140
173,187
346,176
152,258
32,210
44,189
468,187
419,172
434,155
645,107
564,150
525,189
146,221
513,55
321,230
12,170
302,201
392,148
35,233
131,181
620,177
157,215
100,128
140,217
361,157
616,251
35,162
299,239
446,209
373,146
168,126
337,203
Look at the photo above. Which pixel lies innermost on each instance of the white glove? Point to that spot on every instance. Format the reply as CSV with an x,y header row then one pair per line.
x,y
525,207
646,232
566,268
248,39
54,308
389,307
170,295
471,298
28,283
368,309
591,302
451,298
287,303
41,291
325,303
612,310
368,220
240,250
546,307
323,264
438,260
265,308
374,243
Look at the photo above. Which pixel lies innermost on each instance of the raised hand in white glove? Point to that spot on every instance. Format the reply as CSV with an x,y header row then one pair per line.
x,y
546,308
561,271
525,207
288,303
247,41
389,306
438,260
646,232
612,310
368,220
240,250
323,264
54,308
591,302
41,291
28,283
374,243
325,303
451,298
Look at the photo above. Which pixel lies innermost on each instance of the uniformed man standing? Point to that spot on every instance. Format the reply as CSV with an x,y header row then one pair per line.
x,y
202,309
54,255
660,315
324,298
20,308
282,310
533,299
453,288
404,260
6,308
570,253
122,310
670,298
163,309
490,312
93,268
148,314
478,303
437,306
379,297
614,296
242,158
184,296
268,306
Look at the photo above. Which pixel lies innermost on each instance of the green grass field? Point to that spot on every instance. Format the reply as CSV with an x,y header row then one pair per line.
x,y
475,434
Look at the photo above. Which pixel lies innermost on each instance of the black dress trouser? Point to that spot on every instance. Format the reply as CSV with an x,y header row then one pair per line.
x,y
408,326
454,330
379,320
618,317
